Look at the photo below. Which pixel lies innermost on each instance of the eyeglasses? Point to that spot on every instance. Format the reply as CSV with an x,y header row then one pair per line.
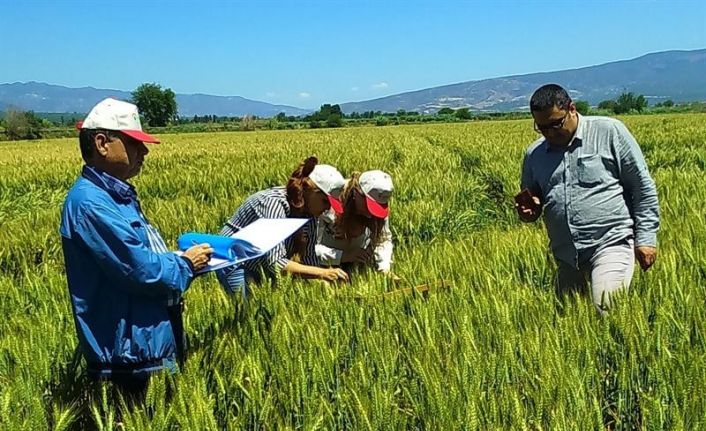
x,y
554,126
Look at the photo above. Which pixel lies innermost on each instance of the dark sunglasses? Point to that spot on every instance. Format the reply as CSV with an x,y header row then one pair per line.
x,y
554,126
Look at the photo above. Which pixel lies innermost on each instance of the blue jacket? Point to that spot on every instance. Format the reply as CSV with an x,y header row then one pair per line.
x,y
120,286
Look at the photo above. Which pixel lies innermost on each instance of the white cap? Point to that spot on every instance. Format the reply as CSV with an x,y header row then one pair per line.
x,y
112,114
331,182
377,187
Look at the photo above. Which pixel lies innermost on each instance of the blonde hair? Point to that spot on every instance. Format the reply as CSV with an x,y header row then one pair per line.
x,y
347,221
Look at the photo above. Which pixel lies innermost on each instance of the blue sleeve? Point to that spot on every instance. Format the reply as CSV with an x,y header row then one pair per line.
x,y
638,183
122,255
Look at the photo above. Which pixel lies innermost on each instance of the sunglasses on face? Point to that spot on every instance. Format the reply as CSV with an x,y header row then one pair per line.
x,y
553,126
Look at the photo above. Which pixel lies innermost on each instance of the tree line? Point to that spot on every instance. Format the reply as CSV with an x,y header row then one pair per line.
x,y
158,108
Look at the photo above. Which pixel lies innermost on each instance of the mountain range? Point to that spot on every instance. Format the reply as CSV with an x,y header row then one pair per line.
x,y
676,75
41,97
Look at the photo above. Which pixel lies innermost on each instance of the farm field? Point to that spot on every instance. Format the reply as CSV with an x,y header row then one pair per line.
x,y
495,350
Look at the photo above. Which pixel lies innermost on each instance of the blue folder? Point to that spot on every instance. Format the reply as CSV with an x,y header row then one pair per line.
x,y
224,247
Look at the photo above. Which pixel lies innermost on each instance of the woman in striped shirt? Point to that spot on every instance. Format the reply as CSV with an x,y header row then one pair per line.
x,y
360,235
311,190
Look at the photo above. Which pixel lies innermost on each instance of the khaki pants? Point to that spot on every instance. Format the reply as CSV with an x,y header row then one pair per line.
x,y
609,270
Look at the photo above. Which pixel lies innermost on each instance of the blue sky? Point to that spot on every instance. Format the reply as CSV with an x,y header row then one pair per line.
x,y
305,53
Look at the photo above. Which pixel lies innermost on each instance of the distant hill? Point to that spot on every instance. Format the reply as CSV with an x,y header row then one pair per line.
x,y
40,97
676,75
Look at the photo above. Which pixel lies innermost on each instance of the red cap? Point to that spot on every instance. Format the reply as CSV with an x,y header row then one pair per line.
x,y
375,208
335,204
141,136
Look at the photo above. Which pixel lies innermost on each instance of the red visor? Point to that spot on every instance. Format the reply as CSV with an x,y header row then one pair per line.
x,y
375,208
335,204
141,136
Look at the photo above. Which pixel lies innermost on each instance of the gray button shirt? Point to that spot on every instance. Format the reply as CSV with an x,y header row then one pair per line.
x,y
595,192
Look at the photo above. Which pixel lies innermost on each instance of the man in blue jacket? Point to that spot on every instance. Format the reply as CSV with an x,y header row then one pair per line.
x,y
125,284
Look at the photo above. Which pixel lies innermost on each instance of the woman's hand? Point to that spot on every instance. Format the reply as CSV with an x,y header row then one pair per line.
x,y
333,274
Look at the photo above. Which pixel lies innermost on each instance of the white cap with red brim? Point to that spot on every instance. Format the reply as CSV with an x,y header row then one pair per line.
x,y
331,182
377,187
112,114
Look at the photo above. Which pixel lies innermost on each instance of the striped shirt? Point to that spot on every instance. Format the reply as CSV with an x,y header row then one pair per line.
x,y
272,203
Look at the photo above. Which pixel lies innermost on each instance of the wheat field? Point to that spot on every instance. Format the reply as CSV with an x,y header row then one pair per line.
x,y
497,349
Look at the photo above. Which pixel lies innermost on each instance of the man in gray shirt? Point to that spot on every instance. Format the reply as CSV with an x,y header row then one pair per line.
x,y
589,178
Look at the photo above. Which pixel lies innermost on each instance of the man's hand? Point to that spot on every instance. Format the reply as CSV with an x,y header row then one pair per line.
x,y
646,256
199,255
529,213
333,274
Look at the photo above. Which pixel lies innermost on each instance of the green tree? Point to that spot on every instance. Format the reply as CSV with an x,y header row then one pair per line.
x,y
334,120
463,114
158,106
607,105
22,125
381,121
327,110
640,103
627,102
324,113
624,103
445,111
582,107
668,103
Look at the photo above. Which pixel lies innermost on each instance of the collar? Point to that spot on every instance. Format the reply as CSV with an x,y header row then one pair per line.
x,y
581,129
117,188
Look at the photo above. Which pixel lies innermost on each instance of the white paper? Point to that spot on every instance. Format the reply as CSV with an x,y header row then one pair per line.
x,y
266,233
263,234
215,263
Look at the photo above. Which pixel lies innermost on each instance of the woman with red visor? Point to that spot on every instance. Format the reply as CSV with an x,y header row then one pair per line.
x,y
360,236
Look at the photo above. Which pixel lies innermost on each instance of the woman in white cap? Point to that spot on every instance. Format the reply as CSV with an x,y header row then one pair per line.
x,y
311,190
360,235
